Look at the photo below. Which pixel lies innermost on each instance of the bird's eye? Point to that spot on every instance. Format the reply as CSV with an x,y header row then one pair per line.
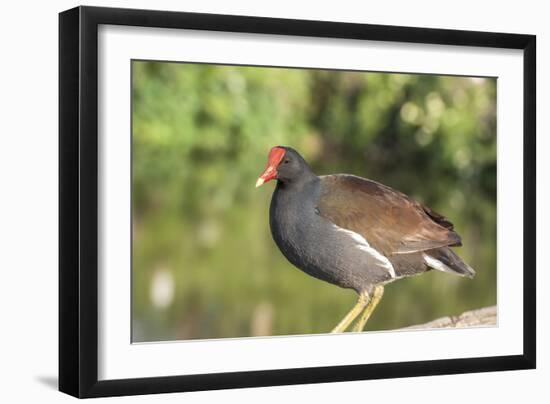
x,y
286,161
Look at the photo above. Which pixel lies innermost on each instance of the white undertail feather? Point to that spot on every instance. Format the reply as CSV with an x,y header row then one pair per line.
x,y
436,264
440,266
363,245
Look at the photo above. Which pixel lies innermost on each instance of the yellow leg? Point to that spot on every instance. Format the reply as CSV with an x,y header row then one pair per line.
x,y
353,313
376,296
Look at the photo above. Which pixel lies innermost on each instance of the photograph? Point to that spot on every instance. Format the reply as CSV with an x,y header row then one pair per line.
x,y
250,202
270,201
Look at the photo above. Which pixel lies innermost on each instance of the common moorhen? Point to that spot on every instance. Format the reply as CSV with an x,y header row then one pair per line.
x,y
353,232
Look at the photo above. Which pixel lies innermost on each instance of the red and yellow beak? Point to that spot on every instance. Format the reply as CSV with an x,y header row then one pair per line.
x,y
276,154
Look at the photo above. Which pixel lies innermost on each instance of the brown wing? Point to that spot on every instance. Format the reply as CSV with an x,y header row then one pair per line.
x,y
389,220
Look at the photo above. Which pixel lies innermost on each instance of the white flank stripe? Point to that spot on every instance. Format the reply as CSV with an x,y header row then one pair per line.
x,y
363,245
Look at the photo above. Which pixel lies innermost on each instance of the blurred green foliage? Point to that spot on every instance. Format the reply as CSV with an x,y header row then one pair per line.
x,y
204,263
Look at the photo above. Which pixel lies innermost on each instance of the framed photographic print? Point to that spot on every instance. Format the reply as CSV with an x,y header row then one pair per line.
x,y
251,201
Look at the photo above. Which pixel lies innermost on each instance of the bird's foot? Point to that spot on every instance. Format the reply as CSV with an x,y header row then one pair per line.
x,y
353,313
376,296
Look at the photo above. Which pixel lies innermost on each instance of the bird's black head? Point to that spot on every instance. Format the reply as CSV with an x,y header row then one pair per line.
x,y
286,165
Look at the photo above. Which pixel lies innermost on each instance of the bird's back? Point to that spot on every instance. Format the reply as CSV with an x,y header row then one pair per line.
x,y
413,237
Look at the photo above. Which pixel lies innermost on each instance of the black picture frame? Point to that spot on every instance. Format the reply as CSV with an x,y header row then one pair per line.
x,y
78,200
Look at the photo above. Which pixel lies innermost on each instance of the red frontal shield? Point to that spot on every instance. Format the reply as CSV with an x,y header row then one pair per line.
x,y
276,154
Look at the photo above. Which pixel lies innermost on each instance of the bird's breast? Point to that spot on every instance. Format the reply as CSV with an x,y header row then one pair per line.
x,y
304,238
293,220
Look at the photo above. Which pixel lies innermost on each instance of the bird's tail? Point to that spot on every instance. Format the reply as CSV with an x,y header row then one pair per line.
x,y
444,259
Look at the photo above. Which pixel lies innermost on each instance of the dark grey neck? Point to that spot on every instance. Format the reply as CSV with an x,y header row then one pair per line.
x,y
297,183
